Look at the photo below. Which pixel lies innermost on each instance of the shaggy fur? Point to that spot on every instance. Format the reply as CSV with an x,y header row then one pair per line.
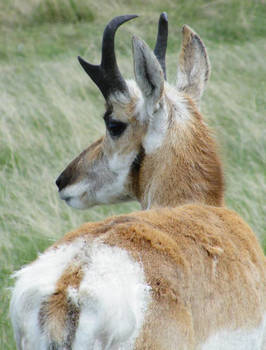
x,y
203,264
187,277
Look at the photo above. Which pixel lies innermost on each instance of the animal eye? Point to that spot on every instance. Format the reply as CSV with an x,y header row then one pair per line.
x,y
115,128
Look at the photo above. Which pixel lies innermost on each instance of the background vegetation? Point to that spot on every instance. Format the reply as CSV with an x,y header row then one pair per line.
x,y
50,110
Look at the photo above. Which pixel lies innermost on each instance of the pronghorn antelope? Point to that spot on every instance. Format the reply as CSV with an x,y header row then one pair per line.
x,y
185,274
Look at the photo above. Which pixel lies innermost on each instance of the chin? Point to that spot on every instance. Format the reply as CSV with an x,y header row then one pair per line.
x,y
76,203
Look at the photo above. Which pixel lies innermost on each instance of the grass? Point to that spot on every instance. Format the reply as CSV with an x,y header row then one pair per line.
x,y
50,111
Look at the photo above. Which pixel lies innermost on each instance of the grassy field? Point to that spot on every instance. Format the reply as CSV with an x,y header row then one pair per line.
x,y
50,110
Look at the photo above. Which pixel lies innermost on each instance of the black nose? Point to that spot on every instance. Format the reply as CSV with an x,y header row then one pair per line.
x,y
61,181
65,179
58,182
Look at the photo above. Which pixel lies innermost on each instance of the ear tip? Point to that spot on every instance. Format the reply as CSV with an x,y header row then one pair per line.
x,y
137,41
187,33
186,30
134,40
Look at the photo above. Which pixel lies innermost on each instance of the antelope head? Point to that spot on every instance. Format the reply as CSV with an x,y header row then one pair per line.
x,y
156,148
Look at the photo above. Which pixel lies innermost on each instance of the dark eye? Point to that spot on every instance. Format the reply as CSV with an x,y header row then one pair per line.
x,y
115,127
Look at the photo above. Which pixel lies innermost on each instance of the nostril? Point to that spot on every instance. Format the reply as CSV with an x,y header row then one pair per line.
x,y
59,182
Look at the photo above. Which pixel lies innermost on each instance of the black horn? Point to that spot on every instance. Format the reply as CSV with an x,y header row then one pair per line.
x,y
161,42
107,75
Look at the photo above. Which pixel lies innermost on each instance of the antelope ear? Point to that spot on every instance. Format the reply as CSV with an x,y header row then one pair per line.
x,y
194,66
148,72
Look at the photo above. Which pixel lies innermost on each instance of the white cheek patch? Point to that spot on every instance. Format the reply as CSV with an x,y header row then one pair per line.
x,y
121,162
109,187
119,165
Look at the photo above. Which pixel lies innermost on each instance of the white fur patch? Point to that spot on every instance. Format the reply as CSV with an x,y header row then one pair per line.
x,y
157,129
121,162
119,165
35,283
113,173
113,298
137,95
159,119
125,98
72,194
179,103
241,339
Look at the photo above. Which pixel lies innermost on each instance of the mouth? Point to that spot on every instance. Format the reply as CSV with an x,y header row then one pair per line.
x,y
77,202
71,201
64,197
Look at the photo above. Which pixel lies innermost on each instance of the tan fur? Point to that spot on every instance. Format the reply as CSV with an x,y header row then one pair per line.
x,y
204,264
185,168
191,171
194,66
75,170
56,313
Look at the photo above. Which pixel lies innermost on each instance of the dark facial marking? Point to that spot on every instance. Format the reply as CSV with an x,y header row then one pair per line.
x,y
114,127
135,167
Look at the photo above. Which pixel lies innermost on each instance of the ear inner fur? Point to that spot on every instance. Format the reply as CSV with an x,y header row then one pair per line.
x,y
194,66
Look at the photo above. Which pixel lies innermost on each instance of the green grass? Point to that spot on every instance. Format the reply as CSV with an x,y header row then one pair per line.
x,y
50,111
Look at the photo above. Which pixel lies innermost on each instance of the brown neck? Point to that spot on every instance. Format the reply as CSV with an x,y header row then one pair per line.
x,y
186,169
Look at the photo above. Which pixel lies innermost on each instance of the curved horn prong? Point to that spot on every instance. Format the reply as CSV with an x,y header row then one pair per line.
x,y
107,75
161,42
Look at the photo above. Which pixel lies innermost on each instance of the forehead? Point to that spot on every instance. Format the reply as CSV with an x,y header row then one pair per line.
x,y
126,107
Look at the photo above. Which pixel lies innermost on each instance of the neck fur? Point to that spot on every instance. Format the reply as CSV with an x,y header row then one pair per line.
x,y
185,169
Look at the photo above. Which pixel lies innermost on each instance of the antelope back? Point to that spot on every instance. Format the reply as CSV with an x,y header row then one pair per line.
x,y
191,277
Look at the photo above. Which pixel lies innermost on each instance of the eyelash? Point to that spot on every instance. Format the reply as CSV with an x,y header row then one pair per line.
x,y
115,128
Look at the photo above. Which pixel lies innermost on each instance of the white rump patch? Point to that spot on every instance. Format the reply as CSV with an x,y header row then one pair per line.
x,y
241,339
35,283
113,298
